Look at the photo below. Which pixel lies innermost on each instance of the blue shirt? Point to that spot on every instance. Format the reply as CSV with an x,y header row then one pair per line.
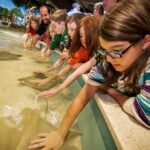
x,y
73,11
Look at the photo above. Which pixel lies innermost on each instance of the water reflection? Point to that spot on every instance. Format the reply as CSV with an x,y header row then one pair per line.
x,y
18,129
22,114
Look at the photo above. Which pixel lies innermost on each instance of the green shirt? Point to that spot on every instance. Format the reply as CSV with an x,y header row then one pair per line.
x,y
59,41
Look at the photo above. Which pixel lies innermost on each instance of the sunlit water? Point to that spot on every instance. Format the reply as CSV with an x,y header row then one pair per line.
x,y
22,114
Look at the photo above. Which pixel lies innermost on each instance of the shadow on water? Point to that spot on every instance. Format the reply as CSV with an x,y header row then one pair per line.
x,y
16,135
8,56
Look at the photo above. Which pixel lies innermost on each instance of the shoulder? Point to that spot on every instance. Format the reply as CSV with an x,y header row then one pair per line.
x,y
144,78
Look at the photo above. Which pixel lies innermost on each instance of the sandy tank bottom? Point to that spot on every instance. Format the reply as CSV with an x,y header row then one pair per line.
x,y
22,114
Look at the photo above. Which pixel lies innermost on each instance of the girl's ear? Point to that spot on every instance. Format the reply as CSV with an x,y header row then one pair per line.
x,y
147,41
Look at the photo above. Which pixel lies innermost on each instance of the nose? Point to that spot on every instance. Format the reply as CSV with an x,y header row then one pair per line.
x,y
109,59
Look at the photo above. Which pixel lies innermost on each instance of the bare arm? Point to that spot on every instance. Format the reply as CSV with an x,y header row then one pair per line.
x,y
119,97
76,107
56,139
82,69
35,39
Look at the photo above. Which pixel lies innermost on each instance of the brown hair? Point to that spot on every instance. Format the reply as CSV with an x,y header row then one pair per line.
x,y
127,21
90,24
48,32
33,18
59,15
99,7
75,18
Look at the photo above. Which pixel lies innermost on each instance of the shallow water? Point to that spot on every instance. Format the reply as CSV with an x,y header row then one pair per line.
x,y
8,56
22,114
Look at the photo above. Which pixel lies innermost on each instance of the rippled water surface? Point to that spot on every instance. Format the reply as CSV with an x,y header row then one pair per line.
x,y
22,114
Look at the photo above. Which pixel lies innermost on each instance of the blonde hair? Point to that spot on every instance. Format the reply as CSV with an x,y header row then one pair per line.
x,y
59,15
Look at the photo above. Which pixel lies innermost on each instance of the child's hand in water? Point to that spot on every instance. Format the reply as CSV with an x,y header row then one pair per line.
x,y
40,82
47,141
51,92
40,71
36,81
43,82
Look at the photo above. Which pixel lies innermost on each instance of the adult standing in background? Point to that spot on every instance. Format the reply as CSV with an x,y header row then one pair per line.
x,y
45,21
75,9
101,8
107,4
98,9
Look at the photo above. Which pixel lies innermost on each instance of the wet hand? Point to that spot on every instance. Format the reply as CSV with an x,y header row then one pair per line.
x,y
51,92
52,141
43,82
39,71
36,81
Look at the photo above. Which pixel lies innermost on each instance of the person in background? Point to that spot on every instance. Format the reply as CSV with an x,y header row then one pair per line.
x,y
75,9
45,52
98,9
82,48
60,39
107,4
79,37
31,30
120,41
72,23
101,8
45,21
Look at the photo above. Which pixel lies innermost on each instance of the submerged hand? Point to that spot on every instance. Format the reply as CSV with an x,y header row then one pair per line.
x,y
40,82
46,141
39,71
43,82
36,81
51,92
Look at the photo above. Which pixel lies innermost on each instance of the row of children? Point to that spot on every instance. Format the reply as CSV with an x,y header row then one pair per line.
x,y
78,51
117,48
55,43
38,28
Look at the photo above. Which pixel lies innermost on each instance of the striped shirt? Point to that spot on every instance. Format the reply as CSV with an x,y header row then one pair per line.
x,y
141,101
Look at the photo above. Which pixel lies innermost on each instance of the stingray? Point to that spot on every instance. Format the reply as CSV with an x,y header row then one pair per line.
x,y
26,81
18,136
43,62
8,56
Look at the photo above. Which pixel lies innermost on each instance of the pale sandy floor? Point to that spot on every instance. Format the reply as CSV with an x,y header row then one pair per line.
x,y
20,113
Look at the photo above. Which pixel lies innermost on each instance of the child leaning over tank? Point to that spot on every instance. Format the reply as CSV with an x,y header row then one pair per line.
x,y
31,29
124,34
82,47
45,52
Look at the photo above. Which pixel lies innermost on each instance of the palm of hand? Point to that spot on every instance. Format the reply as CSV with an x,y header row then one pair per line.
x,y
47,142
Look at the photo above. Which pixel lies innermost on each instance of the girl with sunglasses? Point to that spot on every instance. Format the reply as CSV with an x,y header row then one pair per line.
x,y
124,72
